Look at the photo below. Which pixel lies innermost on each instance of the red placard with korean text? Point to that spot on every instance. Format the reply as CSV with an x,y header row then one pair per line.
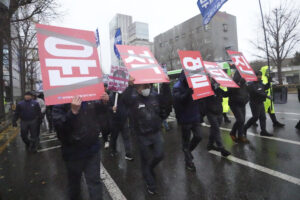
x,y
217,73
69,64
142,65
194,70
242,65
118,79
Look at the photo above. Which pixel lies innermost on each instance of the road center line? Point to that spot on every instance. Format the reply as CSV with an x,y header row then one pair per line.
x,y
260,168
257,135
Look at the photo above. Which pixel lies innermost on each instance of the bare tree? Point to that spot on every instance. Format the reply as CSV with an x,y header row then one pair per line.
x,y
282,29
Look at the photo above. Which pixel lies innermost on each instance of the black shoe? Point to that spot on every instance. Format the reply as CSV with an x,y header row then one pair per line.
x,y
190,166
224,152
265,133
298,126
278,124
255,124
128,157
212,147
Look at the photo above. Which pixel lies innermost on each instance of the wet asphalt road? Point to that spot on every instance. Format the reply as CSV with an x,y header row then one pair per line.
x,y
43,176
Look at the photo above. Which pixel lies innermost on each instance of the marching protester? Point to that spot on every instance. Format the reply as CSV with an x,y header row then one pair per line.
x,y
105,120
42,105
226,108
238,98
214,110
269,104
49,118
119,124
29,112
77,128
188,116
257,97
147,110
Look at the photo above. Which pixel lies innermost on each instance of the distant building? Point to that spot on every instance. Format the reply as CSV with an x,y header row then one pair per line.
x,y
133,33
211,40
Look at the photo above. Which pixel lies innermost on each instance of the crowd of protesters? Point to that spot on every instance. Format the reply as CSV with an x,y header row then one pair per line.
x,y
141,110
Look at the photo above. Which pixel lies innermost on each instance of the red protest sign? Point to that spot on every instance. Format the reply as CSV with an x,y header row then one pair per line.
x,y
142,65
69,64
242,66
194,70
217,73
118,79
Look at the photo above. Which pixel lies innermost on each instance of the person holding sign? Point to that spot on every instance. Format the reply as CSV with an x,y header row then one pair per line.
x,y
257,97
214,111
77,129
147,111
188,116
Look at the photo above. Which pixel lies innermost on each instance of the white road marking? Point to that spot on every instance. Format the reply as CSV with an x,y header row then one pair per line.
x,y
44,141
257,135
231,116
111,186
260,168
50,148
288,113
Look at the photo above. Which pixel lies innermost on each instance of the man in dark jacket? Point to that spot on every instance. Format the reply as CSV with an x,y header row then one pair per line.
x,y
238,98
188,116
29,112
214,111
257,97
119,124
147,110
77,128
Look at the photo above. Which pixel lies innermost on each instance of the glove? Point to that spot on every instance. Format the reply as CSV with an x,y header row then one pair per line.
x,y
14,124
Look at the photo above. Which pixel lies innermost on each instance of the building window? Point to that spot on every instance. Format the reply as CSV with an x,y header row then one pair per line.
x,y
206,27
177,38
198,29
161,44
225,27
206,41
225,38
171,41
183,35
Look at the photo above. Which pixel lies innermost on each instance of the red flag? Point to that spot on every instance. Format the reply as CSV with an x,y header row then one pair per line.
x,y
217,73
142,65
69,64
194,70
242,66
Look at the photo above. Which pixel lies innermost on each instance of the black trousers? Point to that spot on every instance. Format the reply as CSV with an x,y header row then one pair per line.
x,y
152,153
32,128
122,128
239,112
215,121
258,112
188,144
91,168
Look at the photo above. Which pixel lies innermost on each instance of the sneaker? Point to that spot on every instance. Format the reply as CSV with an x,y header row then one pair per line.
x,y
266,133
212,147
278,124
243,140
224,152
106,145
203,124
128,157
190,166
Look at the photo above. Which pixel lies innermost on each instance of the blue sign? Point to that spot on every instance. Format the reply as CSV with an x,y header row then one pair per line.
x,y
209,8
97,38
118,40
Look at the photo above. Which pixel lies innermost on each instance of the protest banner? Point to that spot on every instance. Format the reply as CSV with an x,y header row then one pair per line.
x,y
242,66
118,79
194,70
69,64
217,73
142,65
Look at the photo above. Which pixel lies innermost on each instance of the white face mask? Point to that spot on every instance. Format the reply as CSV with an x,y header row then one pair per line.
x,y
146,92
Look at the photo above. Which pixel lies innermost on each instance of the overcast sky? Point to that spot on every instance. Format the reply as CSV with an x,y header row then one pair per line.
x,y
161,15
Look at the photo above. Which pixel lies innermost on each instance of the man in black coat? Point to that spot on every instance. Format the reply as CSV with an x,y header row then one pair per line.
x,y
77,128
188,116
257,97
29,112
214,113
238,98
148,110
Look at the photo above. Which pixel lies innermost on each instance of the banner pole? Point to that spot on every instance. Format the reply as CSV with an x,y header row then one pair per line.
x,y
116,100
158,88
